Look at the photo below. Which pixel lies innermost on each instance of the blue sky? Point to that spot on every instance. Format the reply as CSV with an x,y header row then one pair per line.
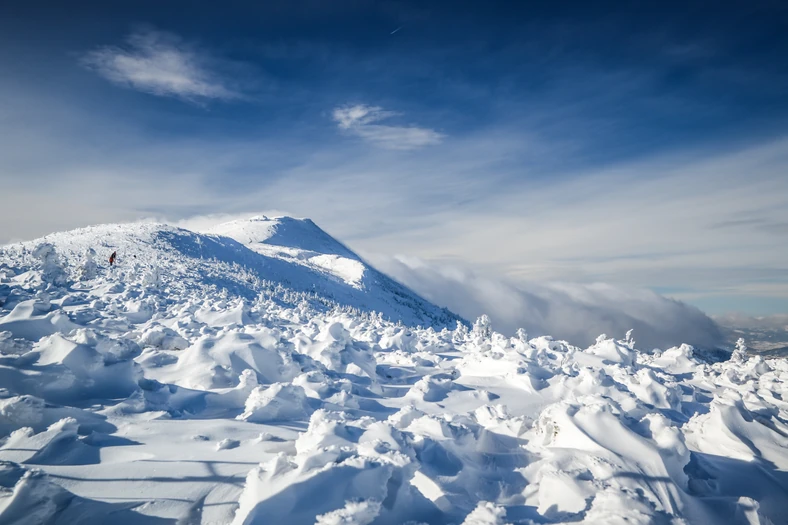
x,y
637,144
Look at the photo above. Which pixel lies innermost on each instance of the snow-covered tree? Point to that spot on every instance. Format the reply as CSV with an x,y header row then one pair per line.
x,y
740,352
89,268
42,303
482,327
152,277
51,269
629,340
460,332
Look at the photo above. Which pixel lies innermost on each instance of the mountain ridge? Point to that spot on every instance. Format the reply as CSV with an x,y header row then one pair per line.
x,y
336,273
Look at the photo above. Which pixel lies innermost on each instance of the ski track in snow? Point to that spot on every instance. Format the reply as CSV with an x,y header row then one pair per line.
x,y
244,376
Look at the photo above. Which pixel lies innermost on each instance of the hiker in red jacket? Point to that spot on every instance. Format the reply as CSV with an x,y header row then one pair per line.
x,y
112,258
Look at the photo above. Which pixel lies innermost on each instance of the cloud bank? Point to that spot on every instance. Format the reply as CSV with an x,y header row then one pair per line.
x,y
775,323
161,64
577,313
360,120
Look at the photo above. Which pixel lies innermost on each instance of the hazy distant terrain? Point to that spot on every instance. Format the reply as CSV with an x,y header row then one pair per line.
x,y
766,335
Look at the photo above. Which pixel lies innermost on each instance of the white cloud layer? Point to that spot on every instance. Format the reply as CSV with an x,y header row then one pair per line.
x,y
577,313
159,63
775,323
360,120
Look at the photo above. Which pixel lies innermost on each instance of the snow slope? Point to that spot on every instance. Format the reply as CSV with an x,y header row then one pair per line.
x,y
232,378
302,242
287,252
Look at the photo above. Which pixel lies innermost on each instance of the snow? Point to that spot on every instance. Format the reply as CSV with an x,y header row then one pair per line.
x,y
278,402
299,241
263,373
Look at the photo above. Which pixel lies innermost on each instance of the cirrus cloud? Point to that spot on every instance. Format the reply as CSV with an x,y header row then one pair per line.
x,y
161,64
361,120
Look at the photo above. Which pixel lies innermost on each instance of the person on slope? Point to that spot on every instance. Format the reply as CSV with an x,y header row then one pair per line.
x,y
112,258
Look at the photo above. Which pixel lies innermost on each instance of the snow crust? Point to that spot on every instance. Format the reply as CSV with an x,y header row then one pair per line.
x,y
204,381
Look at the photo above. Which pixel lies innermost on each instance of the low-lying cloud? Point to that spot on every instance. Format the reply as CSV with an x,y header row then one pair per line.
x,y
776,322
577,313
361,119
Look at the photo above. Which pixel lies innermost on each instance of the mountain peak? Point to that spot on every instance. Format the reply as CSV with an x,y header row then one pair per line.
x,y
284,232
293,253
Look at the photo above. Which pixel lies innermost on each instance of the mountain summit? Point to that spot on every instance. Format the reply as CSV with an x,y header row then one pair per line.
x,y
240,255
283,235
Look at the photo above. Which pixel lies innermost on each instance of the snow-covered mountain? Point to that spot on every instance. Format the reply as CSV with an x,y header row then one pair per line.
x,y
243,376
291,253
330,269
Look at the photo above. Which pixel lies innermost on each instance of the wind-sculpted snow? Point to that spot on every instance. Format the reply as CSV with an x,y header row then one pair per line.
x,y
183,387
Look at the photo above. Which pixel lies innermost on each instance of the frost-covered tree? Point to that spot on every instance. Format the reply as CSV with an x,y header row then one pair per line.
x,y
521,335
460,332
5,273
152,277
42,303
629,340
740,352
51,269
482,327
89,268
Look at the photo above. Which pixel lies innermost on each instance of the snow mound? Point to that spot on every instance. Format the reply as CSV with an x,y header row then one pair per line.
x,y
351,470
279,402
486,513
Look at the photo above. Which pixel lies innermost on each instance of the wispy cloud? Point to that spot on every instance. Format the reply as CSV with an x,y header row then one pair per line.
x,y
361,120
162,64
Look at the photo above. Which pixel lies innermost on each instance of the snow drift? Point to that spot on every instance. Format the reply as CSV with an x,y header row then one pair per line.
x,y
265,374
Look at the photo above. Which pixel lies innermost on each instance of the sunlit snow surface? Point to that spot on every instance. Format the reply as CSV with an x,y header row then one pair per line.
x,y
242,377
